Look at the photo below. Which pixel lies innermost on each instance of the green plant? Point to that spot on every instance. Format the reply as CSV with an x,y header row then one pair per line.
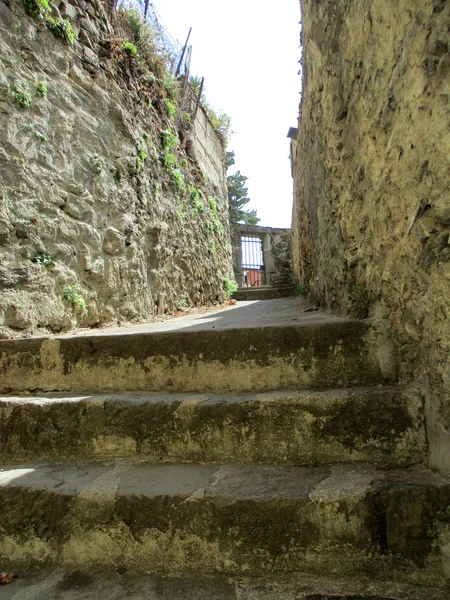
x,y
118,176
169,139
359,301
171,108
178,177
217,226
74,296
61,28
43,260
41,89
141,156
229,286
37,8
212,247
181,303
152,59
184,163
23,96
130,49
212,205
37,134
97,163
302,289
168,159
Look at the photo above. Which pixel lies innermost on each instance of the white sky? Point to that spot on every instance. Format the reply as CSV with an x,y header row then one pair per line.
x,y
248,53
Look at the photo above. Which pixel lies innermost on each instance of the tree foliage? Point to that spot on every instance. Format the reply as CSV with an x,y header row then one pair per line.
x,y
238,196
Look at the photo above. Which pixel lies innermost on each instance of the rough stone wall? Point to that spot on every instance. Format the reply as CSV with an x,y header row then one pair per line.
x,y
372,204
277,251
72,189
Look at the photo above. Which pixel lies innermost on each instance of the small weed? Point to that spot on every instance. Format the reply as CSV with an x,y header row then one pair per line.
x,y
62,28
97,163
212,247
118,176
170,85
37,134
74,296
149,103
212,205
37,8
184,163
141,156
302,290
194,192
181,303
23,96
168,159
171,108
197,207
217,226
178,177
130,49
169,139
41,89
359,301
229,286
44,261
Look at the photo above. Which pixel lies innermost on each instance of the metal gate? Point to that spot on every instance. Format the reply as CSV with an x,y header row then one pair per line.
x,y
253,271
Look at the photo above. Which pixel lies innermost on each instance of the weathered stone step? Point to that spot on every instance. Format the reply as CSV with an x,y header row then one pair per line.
x,y
67,585
242,520
266,292
379,425
322,355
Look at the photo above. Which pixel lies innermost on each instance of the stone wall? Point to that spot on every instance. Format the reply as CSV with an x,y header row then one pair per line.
x,y
88,209
277,252
372,205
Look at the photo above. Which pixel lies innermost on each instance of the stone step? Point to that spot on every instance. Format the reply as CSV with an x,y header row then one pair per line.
x,y
187,519
80,585
330,354
265,292
379,425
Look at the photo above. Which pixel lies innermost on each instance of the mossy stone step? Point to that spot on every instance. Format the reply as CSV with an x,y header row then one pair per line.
x,y
313,356
379,425
226,519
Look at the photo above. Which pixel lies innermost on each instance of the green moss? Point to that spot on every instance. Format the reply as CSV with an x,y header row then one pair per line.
x,y
41,89
23,96
37,8
61,28
359,301
130,49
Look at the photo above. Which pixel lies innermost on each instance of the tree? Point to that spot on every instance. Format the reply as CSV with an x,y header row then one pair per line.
x,y
237,196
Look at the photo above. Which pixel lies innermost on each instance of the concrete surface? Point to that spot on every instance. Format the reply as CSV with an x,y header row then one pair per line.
x,y
381,425
256,313
79,585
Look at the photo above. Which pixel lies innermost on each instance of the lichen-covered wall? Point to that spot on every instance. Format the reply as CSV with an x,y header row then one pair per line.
x,y
372,202
85,197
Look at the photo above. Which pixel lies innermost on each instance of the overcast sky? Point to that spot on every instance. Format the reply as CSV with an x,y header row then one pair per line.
x,y
248,53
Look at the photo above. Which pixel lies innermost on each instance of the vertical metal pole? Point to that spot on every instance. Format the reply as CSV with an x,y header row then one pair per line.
x,y
177,72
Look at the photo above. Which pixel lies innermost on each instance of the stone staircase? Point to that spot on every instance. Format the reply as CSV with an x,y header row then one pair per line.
x,y
266,292
260,454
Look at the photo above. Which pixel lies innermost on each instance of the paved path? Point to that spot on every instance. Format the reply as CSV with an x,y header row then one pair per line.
x,y
256,313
